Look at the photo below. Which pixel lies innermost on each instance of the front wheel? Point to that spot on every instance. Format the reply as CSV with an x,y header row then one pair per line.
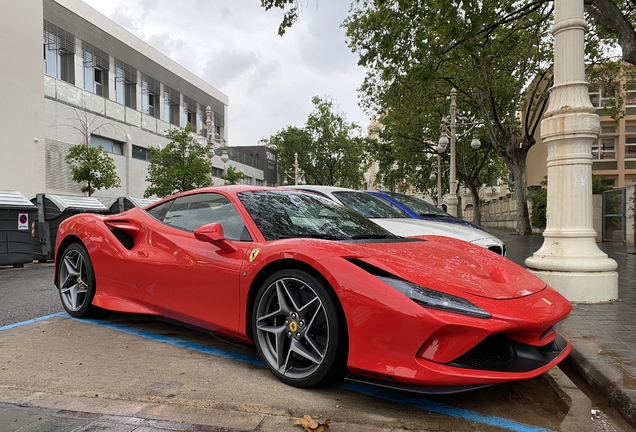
x,y
297,329
76,281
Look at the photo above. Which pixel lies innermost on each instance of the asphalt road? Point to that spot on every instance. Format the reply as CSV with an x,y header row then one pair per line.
x,y
137,367
27,293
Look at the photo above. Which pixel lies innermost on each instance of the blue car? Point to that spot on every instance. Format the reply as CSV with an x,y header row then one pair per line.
x,y
417,208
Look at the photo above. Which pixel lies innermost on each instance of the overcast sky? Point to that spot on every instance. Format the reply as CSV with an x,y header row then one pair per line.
x,y
234,46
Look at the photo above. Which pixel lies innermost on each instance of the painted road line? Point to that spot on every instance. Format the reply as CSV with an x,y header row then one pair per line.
x,y
368,390
176,342
436,407
42,318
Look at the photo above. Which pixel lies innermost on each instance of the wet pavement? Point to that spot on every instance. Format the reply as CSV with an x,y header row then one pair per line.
x,y
603,335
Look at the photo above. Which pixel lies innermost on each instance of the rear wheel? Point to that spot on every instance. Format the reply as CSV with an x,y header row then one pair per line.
x,y
76,281
297,329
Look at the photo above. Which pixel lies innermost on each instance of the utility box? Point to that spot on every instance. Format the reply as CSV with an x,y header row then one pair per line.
x,y
123,204
17,218
51,211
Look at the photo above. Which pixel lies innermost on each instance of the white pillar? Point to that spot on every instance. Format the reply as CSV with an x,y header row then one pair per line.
x,y
569,260
452,200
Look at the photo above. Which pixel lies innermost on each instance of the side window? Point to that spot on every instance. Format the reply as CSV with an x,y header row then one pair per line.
x,y
190,212
159,211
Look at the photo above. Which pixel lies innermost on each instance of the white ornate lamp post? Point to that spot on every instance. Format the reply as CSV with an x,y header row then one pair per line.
x,y
212,133
298,173
452,200
569,260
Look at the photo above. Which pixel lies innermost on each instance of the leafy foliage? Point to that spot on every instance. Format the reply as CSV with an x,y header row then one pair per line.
x,y
416,51
539,200
232,176
180,166
330,150
92,166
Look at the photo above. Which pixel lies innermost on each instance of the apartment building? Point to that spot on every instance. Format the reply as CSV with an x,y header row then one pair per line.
x,y
614,153
69,73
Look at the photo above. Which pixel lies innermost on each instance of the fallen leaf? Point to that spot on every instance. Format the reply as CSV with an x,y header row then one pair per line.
x,y
311,425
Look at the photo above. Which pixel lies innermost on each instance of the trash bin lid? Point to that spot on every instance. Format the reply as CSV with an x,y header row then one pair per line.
x,y
11,199
142,202
65,202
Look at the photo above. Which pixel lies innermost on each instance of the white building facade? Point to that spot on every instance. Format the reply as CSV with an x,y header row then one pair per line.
x,y
68,71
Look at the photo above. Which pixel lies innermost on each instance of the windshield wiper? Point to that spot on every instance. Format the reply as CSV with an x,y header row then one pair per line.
x,y
373,236
434,215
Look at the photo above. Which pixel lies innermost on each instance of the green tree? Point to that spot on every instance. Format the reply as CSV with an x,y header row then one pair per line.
x,y
180,166
331,151
93,167
232,176
287,142
409,77
612,20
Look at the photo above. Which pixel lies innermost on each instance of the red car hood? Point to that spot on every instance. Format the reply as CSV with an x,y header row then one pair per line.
x,y
447,264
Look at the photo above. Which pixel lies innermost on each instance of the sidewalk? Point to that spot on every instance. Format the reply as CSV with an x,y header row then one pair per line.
x,y
603,335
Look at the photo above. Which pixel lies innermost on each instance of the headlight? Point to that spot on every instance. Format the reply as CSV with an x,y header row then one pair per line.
x,y
435,299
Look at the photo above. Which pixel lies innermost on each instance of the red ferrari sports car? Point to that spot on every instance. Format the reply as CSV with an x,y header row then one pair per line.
x,y
320,290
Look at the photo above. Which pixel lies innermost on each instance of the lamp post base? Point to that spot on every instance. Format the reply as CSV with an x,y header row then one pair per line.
x,y
582,287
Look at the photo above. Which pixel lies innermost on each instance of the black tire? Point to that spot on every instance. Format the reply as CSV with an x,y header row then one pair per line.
x,y
298,331
76,281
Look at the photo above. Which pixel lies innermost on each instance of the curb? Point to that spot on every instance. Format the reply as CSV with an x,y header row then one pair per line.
x,y
605,379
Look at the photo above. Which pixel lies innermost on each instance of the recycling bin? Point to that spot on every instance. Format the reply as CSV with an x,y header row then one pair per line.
x,y
123,204
17,216
51,211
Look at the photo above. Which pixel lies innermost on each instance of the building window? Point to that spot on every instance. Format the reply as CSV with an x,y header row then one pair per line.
x,y
125,84
604,148
109,145
247,180
150,90
630,90
259,182
190,113
217,172
630,141
96,64
59,53
171,106
141,153
600,93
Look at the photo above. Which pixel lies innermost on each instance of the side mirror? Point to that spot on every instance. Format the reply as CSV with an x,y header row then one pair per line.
x,y
213,233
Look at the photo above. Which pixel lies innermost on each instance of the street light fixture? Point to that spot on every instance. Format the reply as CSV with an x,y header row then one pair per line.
x,y
452,199
298,174
212,134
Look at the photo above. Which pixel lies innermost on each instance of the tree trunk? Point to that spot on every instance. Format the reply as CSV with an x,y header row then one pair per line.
x,y
476,211
518,168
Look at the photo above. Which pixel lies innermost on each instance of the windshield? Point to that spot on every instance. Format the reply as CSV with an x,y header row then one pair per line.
x,y
368,205
288,214
417,205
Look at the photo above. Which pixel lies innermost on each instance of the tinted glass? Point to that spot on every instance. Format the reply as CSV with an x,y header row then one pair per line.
x,y
417,205
368,205
192,211
286,214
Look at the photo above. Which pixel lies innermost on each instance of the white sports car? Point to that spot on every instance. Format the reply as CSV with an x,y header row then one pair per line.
x,y
398,223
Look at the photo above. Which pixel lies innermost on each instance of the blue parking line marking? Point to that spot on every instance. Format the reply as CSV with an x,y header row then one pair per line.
x,y
176,342
368,390
439,408
42,318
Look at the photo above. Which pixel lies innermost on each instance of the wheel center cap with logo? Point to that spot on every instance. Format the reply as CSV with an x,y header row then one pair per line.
x,y
293,326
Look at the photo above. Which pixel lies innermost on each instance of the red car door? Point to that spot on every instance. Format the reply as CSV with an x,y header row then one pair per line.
x,y
197,281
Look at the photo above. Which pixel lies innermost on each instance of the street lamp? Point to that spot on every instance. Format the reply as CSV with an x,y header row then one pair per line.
x,y
452,200
298,173
212,133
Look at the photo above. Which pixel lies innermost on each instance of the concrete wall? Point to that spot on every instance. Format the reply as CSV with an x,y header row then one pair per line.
x,y
22,107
